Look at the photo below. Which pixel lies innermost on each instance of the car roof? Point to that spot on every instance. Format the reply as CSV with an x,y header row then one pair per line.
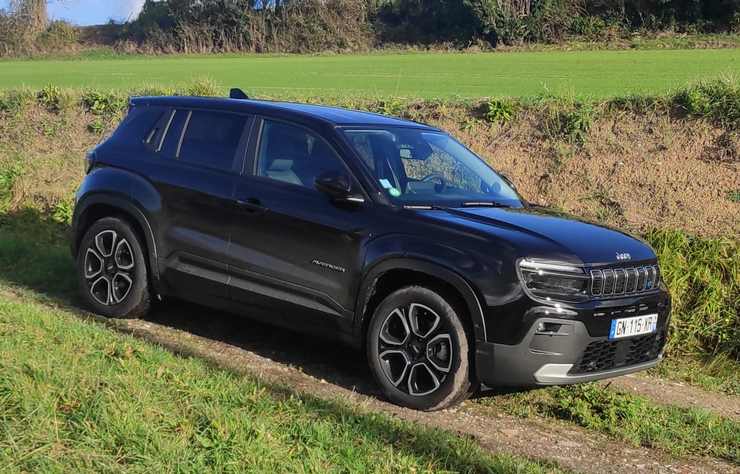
x,y
332,115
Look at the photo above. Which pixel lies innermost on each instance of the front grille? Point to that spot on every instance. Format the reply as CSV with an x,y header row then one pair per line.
x,y
607,355
624,281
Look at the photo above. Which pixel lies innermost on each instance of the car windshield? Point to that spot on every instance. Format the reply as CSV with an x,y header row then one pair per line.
x,y
426,168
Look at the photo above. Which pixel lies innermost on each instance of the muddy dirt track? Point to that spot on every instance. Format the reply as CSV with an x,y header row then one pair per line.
x,y
326,370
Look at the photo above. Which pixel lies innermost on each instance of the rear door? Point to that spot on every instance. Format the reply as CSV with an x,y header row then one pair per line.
x,y
200,153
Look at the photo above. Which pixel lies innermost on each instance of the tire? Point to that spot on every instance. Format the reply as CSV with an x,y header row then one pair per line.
x,y
418,350
112,271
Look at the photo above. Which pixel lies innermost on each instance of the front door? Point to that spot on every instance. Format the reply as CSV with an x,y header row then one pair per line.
x,y
295,252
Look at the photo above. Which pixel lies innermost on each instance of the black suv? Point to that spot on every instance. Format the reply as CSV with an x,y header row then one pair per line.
x,y
383,233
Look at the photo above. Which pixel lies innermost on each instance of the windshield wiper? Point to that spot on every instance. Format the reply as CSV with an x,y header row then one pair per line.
x,y
417,207
484,204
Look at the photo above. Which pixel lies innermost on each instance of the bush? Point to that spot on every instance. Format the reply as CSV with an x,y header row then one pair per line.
x,y
214,25
59,35
591,27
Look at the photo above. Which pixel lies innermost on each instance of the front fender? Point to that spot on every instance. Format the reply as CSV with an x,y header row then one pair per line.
x,y
430,258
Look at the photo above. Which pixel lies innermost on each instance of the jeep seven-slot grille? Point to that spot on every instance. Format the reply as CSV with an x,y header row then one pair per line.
x,y
606,355
624,281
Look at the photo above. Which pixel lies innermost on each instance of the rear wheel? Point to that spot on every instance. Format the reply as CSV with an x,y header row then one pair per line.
x,y
418,350
112,271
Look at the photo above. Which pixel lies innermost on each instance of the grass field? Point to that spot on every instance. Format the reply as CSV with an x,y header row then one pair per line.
x,y
585,74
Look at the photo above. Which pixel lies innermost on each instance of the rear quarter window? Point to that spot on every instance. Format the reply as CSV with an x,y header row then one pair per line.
x,y
138,126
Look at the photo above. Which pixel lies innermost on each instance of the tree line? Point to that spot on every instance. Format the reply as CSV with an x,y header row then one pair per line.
x,y
317,25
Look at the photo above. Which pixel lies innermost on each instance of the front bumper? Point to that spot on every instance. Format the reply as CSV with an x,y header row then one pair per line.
x,y
568,355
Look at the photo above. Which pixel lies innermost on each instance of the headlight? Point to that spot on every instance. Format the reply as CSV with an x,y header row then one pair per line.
x,y
554,280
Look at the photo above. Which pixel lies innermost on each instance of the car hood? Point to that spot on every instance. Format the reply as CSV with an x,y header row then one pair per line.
x,y
543,233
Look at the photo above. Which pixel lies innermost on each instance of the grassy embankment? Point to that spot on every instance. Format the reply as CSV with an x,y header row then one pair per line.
x,y
44,134
567,153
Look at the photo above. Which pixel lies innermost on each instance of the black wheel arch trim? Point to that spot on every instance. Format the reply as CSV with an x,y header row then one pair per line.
x,y
126,207
435,270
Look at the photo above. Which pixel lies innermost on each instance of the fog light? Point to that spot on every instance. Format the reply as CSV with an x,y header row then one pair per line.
x,y
548,328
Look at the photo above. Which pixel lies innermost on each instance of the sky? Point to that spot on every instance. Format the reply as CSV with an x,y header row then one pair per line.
x,y
90,12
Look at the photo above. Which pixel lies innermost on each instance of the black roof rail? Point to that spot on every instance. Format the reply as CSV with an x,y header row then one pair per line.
x,y
237,93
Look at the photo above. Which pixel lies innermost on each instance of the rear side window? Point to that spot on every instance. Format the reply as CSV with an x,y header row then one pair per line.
x,y
211,139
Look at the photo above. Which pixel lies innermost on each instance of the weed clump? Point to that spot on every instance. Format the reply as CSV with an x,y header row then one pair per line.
x,y
107,104
203,87
8,176
717,100
703,276
14,101
568,121
500,110
51,98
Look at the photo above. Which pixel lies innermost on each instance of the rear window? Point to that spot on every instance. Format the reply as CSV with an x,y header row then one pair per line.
x,y
212,138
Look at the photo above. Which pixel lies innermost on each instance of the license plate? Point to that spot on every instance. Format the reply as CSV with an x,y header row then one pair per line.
x,y
636,326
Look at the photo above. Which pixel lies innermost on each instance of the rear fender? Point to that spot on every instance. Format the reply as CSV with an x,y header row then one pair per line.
x,y
116,189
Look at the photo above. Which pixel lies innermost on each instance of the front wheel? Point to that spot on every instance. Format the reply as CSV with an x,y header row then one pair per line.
x,y
112,271
418,350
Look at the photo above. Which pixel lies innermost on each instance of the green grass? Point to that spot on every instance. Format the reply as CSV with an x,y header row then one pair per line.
x,y
75,396
714,374
635,419
593,74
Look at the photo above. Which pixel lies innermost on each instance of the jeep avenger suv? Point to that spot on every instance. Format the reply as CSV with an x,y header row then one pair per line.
x,y
382,233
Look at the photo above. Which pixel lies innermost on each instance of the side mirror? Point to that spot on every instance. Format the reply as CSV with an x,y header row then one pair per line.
x,y
338,186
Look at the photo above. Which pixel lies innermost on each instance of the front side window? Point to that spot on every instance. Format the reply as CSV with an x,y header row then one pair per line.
x,y
294,155
423,167
211,139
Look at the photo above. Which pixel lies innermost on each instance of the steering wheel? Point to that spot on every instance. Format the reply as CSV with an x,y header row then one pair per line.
x,y
431,177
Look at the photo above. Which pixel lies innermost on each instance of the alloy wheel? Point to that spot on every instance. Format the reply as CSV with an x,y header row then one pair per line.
x,y
109,268
415,349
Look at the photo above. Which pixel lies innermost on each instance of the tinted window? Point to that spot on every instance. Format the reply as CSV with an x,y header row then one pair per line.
x,y
294,155
171,141
138,125
212,138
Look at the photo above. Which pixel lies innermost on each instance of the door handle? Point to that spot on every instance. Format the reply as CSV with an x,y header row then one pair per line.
x,y
251,206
